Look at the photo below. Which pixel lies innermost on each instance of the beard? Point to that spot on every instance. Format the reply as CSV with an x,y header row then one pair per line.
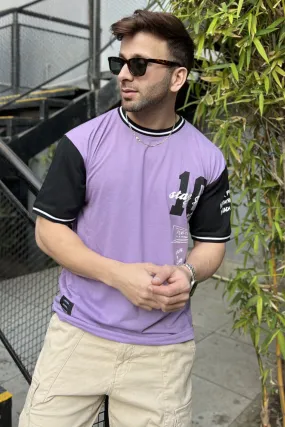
x,y
151,97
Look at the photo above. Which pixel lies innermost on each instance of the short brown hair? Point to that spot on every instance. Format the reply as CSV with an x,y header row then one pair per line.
x,y
163,25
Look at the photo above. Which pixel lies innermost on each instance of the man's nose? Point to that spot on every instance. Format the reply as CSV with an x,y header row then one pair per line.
x,y
125,74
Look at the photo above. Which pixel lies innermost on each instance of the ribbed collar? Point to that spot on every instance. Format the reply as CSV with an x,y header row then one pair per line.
x,y
150,132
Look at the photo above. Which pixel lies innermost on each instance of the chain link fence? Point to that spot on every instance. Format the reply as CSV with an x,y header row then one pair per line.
x,y
38,47
62,48
5,53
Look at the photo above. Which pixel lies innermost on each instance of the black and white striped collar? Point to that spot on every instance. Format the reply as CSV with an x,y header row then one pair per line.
x,y
150,132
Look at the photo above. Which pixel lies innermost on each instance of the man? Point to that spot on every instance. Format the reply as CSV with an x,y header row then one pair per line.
x,y
130,183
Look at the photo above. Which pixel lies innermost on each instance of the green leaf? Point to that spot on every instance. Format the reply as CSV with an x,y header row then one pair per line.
x,y
209,99
200,45
253,25
257,337
258,207
281,318
266,84
211,79
241,60
249,23
240,4
279,231
257,78
259,309
248,57
281,341
268,340
234,152
235,71
266,31
218,67
265,375
276,78
276,23
280,71
196,27
260,49
241,246
252,301
261,103
240,323
256,243
212,26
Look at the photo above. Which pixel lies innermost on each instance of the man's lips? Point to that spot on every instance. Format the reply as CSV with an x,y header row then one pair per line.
x,y
129,91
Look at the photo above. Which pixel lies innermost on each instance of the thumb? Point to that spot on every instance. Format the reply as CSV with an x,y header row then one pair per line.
x,y
162,275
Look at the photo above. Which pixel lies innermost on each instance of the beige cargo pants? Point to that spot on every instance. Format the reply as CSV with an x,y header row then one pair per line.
x,y
149,386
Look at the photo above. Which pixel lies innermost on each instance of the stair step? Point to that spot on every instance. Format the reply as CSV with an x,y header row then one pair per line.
x,y
62,92
33,102
25,121
13,125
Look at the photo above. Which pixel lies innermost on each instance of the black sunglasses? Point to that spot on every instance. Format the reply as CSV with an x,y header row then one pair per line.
x,y
137,66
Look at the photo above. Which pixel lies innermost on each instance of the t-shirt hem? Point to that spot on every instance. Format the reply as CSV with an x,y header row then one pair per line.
x,y
139,339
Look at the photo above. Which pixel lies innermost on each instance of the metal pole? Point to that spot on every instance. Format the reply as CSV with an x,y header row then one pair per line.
x,y
33,183
15,53
15,357
91,40
95,43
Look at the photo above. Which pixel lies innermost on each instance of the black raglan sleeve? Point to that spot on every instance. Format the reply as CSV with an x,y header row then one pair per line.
x,y
210,221
62,194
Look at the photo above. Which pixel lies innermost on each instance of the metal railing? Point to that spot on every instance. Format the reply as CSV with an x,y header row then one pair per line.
x,y
37,49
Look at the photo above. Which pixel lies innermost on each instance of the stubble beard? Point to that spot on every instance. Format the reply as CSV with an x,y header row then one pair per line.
x,y
154,97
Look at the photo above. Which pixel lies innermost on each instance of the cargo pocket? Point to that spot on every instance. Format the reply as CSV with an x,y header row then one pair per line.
x,y
183,416
30,396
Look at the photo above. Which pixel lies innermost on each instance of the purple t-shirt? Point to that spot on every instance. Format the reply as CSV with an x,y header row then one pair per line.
x,y
133,203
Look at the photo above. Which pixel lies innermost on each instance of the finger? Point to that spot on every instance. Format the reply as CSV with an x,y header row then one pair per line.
x,y
162,274
146,307
170,290
169,301
175,307
179,274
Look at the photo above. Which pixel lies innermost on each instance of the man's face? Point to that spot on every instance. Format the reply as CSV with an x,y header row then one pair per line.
x,y
139,93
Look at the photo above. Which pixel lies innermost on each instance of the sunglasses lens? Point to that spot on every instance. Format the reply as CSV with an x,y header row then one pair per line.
x,y
138,66
116,64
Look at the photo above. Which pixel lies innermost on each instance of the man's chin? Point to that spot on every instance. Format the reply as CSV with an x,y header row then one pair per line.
x,y
130,106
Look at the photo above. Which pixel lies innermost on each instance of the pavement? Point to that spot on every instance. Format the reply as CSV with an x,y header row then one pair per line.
x,y
225,373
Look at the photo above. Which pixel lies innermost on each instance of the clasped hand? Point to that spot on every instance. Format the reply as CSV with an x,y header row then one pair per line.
x,y
151,287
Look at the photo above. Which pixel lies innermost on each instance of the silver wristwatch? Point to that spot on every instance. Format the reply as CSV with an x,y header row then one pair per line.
x,y
193,280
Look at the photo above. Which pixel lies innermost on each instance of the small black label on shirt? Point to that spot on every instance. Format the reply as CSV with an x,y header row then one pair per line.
x,y
66,305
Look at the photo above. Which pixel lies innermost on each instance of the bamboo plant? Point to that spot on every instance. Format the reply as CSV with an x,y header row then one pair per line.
x,y
239,97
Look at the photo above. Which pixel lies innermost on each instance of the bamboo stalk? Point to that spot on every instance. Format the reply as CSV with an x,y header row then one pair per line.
x,y
278,352
264,416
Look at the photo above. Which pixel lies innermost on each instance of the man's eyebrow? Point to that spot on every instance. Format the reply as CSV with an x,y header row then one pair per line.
x,y
135,55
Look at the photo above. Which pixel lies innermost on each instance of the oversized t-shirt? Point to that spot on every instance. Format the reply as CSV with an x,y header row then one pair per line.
x,y
134,204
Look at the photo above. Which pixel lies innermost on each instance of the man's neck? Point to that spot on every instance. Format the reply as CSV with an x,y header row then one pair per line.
x,y
155,120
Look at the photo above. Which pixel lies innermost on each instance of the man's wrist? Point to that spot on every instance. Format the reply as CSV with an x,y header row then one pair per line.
x,y
192,273
187,271
111,274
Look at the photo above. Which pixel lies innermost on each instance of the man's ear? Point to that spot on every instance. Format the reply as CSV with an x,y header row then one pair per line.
x,y
178,79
